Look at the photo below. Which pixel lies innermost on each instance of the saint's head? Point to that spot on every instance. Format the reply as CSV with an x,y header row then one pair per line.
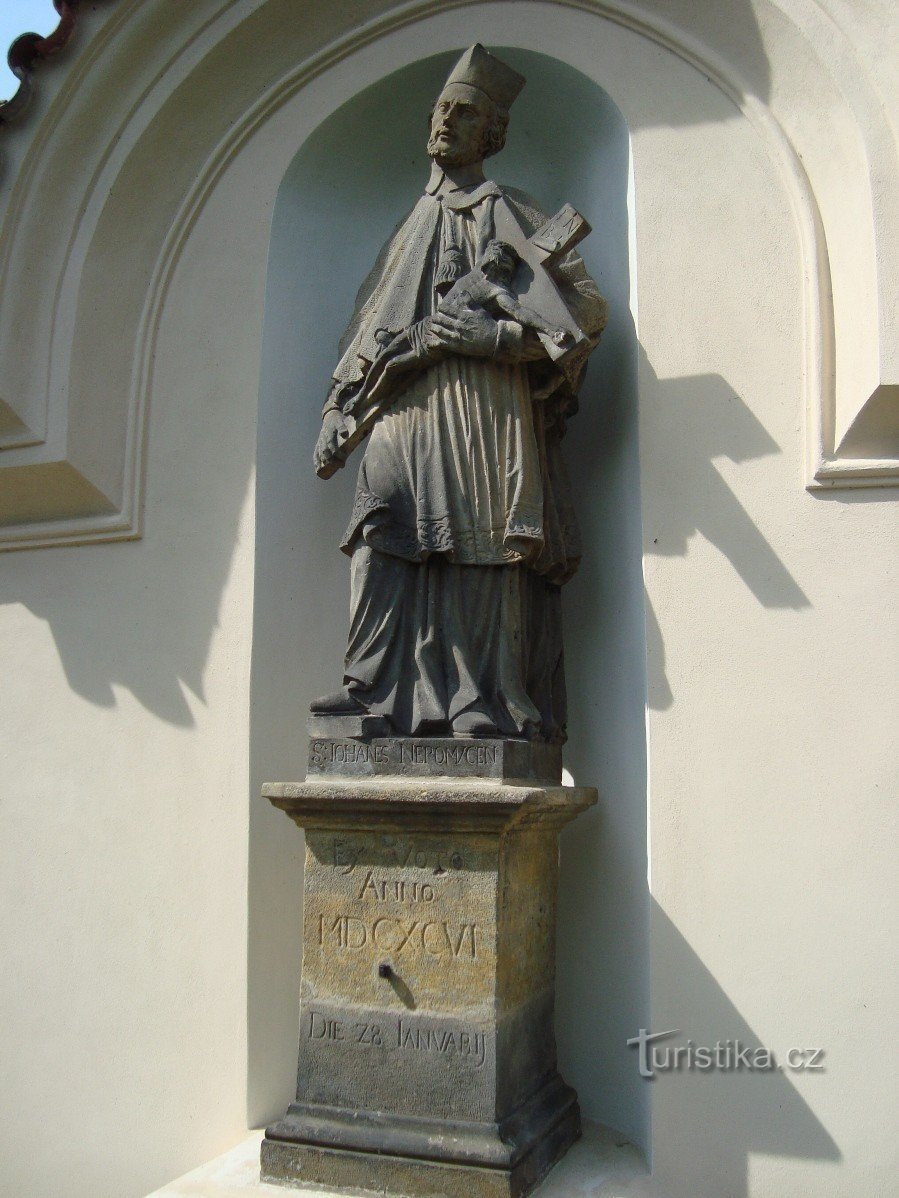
x,y
469,120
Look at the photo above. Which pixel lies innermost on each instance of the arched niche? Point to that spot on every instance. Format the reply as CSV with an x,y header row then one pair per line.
x,y
351,181
204,107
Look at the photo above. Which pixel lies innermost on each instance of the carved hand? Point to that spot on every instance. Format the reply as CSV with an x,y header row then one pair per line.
x,y
329,439
474,332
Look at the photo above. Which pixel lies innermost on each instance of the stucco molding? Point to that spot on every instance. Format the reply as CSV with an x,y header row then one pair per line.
x,y
40,426
41,423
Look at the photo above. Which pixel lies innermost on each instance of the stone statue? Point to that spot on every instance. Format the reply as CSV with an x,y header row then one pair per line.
x,y
462,364
486,287
427,1061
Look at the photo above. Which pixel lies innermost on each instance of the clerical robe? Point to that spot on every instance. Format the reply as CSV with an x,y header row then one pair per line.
x,y
463,528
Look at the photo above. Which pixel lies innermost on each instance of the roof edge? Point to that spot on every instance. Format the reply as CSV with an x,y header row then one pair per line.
x,y
28,51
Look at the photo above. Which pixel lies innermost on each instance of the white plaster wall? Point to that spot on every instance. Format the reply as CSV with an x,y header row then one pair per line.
x,y
124,816
129,770
771,721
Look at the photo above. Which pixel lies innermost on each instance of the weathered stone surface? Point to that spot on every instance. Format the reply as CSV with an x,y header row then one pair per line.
x,y
396,1174
427,1061
421,757
353,728
413,804
458,372
599,1166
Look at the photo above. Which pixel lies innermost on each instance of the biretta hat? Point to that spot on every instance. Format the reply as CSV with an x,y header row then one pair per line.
x,y
479,68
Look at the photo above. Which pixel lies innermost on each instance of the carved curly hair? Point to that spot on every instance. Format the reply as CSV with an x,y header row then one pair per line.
x,y
495,134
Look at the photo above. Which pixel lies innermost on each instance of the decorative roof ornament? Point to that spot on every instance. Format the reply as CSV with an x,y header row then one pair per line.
x,y
29,50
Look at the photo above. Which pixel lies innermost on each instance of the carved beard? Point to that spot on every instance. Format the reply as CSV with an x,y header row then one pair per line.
x,y
457,155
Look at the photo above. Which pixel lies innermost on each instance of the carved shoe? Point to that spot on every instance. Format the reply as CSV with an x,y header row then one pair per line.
x,y
474,723
342,702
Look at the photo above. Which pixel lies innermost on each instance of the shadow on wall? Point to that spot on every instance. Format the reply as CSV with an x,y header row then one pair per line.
x,y
162,653
723,1116
603,959
697,498
140,616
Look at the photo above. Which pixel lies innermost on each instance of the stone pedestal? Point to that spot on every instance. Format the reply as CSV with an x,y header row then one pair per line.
x,y
427,1061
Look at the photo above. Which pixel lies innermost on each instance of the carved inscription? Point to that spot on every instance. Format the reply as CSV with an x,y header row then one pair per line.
x,y
444,1041
395,755
385,887
436,1040
395,890
391,934
395,896
346,752
340,1031
348,853
410,753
